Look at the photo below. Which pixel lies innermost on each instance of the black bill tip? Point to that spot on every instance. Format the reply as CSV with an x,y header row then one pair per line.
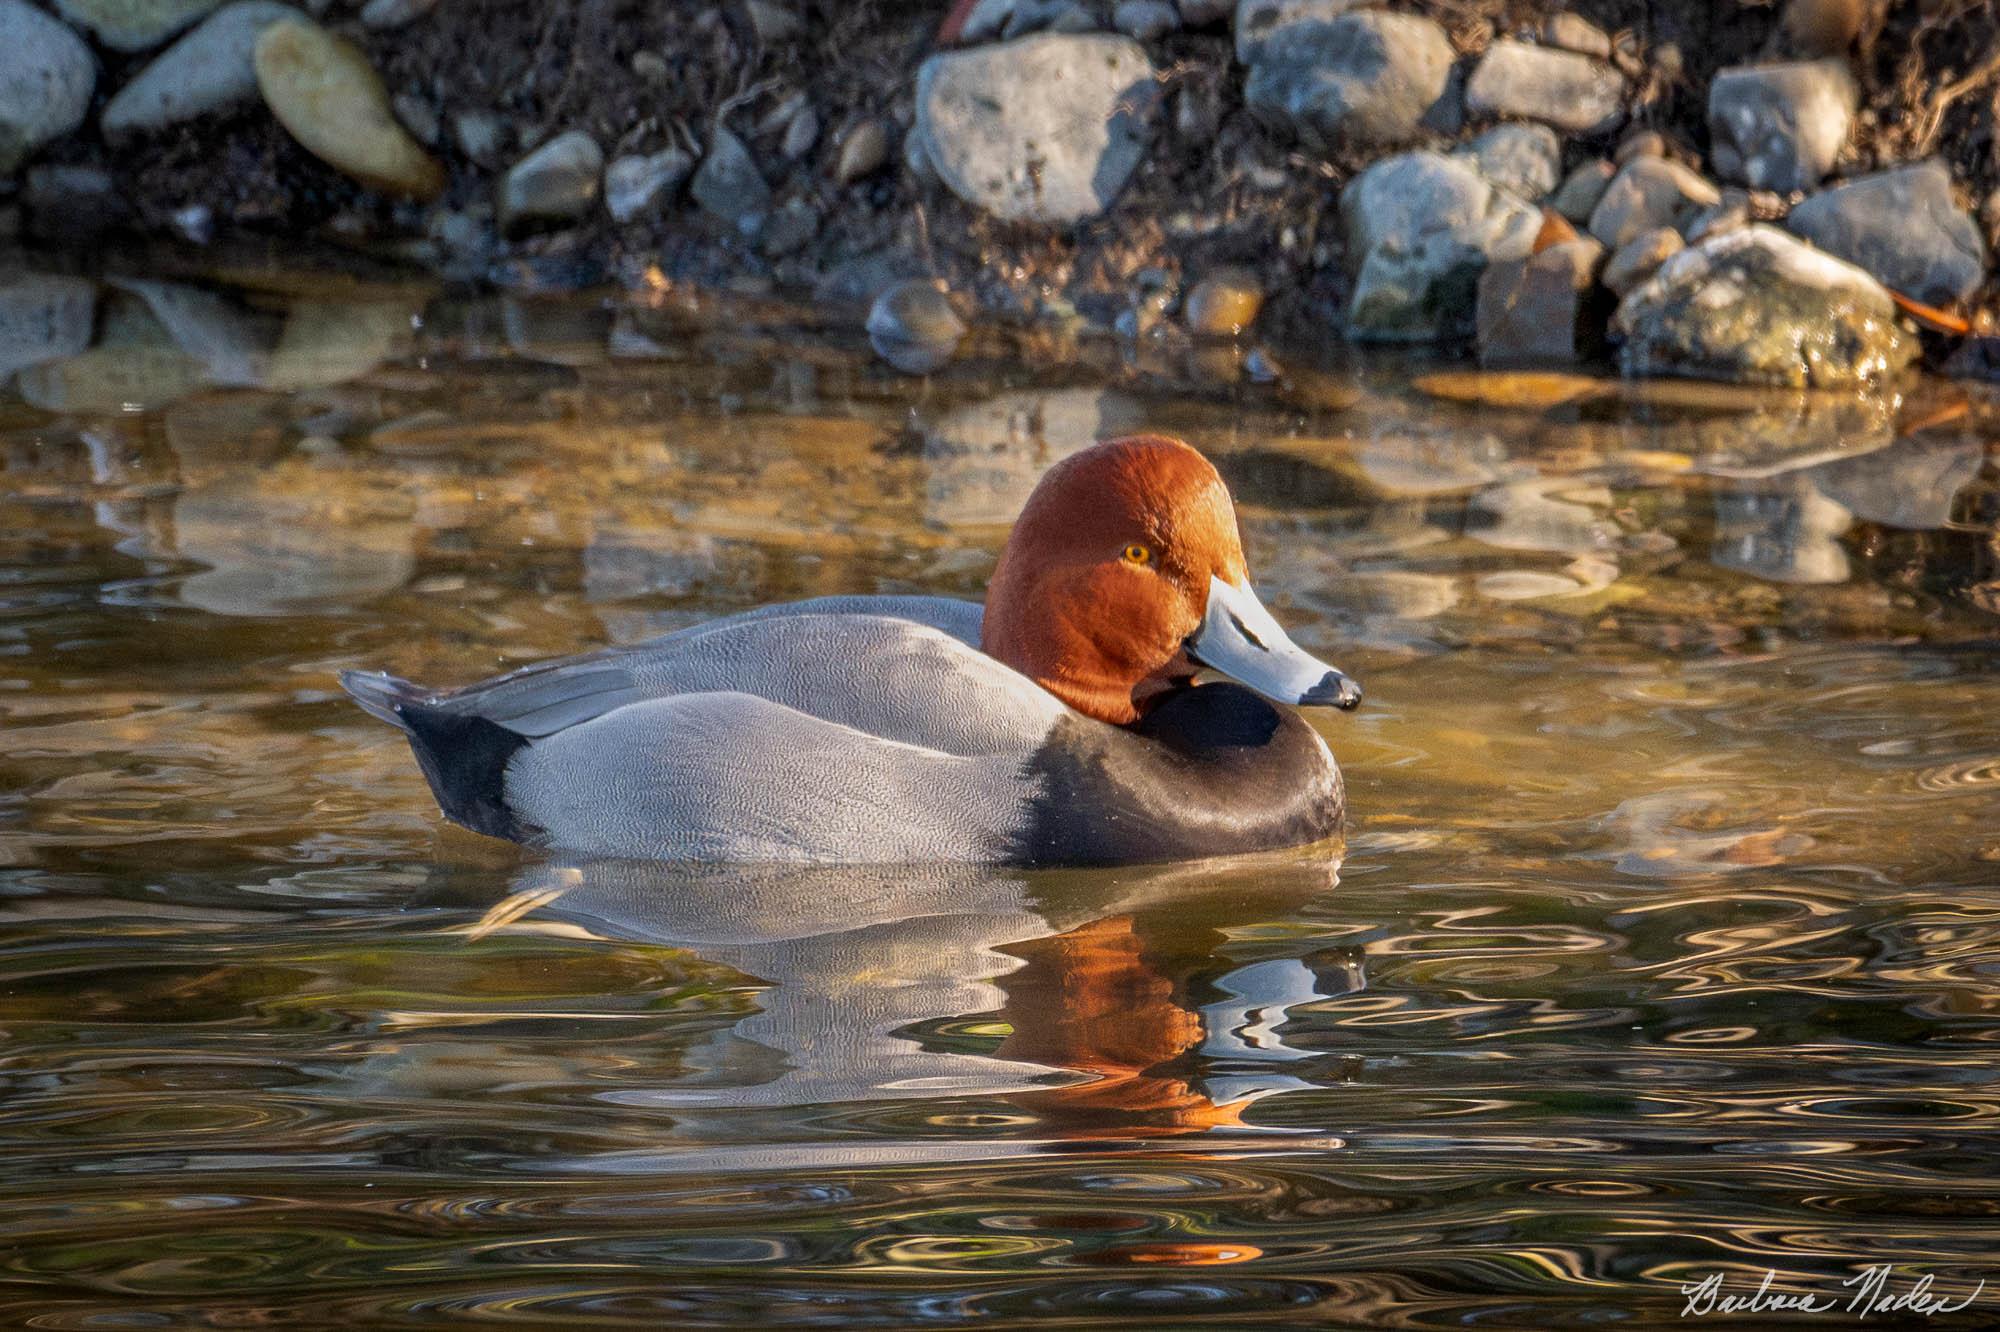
x,y
1333,691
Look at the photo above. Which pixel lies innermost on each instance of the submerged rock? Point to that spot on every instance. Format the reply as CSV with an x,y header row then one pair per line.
x,y
1904,227
134,25
1756,305
1780,127
1562,88
558,182
1649,192
47,76
1540,307
913,327
328,97
1044,129
1367,78
1420,227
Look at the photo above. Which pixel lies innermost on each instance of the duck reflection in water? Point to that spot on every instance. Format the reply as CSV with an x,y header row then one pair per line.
x,y
1123,1008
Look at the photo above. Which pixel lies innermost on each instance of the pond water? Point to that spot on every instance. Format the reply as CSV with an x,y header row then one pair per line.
x,y
1665,945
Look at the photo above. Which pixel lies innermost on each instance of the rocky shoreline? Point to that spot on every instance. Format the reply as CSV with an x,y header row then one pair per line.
x,y
1801,195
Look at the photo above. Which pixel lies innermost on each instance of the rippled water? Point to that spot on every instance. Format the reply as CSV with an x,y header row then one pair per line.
x,y
1665,944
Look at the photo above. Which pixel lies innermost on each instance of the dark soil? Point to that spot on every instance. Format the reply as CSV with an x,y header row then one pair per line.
x,y
1217,188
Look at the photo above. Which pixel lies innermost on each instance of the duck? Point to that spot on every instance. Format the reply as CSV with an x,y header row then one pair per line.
x,y
1123,697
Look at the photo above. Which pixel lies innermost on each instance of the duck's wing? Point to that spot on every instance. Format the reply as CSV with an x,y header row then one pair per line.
x,y
900,668
724,776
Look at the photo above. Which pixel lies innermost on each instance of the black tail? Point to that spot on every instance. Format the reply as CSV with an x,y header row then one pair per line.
x,y
465,758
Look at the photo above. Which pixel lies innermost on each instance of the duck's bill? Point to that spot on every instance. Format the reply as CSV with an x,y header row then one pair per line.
x,y
1239,639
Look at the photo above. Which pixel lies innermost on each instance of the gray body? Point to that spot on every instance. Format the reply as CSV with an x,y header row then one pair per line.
x,y
842,730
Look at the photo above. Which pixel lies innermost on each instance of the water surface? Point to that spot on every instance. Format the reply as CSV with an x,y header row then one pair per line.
x,y
1663,944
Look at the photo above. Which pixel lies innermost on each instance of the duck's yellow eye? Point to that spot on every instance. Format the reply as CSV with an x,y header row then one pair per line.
x,y
1138,554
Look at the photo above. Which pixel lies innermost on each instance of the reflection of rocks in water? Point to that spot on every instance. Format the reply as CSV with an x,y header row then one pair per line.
x,y
331,342
1782,530
1672,833
43,316
983,460
1731,430
277,550
1911,485
1543,513
1409,456
135,365
620,564
233,344
565,332
1586,573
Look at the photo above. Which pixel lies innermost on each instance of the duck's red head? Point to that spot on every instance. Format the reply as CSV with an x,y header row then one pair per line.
x,y
1124,575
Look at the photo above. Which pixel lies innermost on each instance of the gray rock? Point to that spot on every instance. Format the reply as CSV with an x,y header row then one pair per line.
x,y
1582,188
1757,306
1266,26
1561,88
640,182
1144,20
1780,127
1524,160
206,71
790,229
1420,227
558,182
133,25
1573,32
1640,143
1649,192
481,135
47,76
42,317
381,14
1904,227
729,185
800,134
1367,78
987,20
417,116
1045,129
1075,16
912,326
862,152
1539,308
1641,257
771,22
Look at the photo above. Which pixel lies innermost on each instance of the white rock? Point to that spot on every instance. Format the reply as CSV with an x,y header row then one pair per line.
x,y
47,76
1044,129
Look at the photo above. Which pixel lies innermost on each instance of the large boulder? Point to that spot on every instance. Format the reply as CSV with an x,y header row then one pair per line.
x,y
1560,88
1420,227
1756,305
1367,78
1044,129
210,69
1780,127
1904,227
46,77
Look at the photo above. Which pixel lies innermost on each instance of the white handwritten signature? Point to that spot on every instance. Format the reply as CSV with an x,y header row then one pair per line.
x,y
1871,1294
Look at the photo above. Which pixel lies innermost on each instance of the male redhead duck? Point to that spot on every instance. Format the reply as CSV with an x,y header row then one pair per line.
x,y
1063,725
